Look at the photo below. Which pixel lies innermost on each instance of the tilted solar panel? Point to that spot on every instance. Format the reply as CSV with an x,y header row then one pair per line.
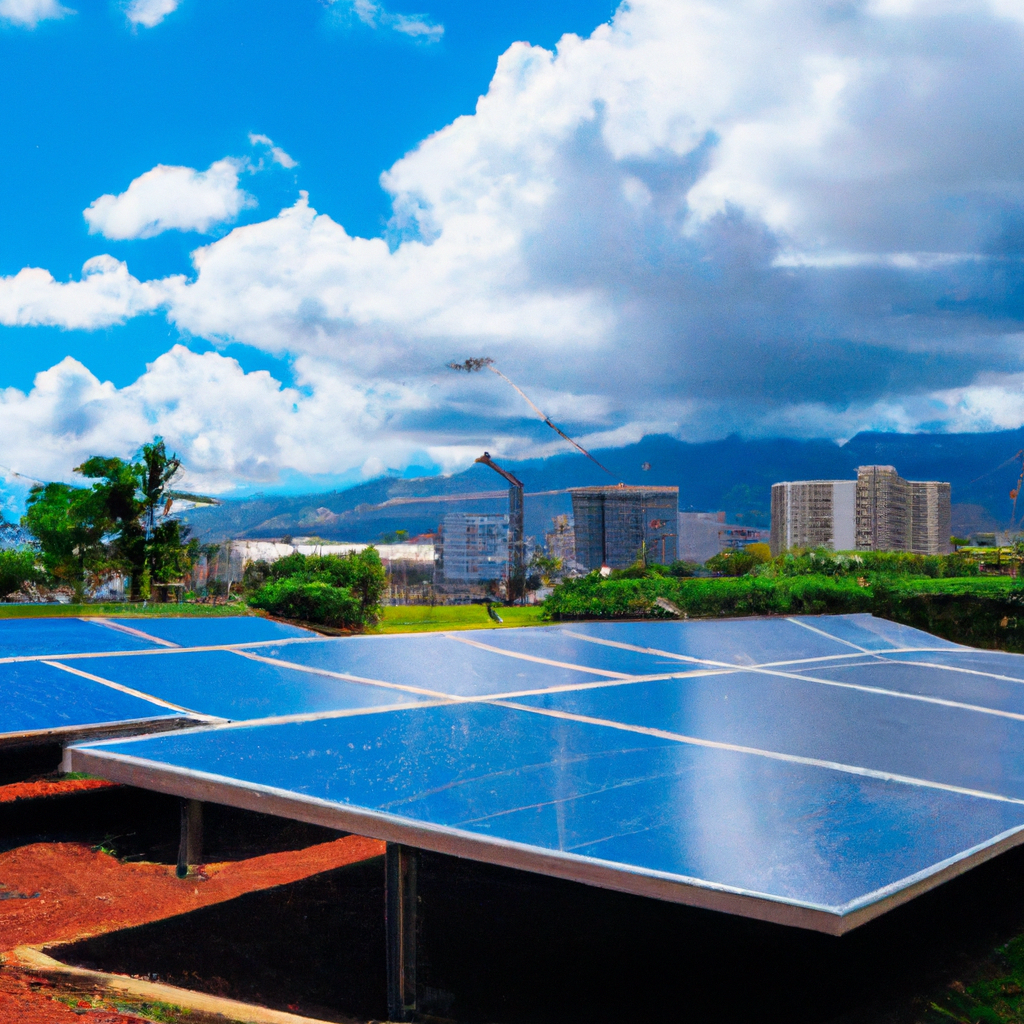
x,y
814,771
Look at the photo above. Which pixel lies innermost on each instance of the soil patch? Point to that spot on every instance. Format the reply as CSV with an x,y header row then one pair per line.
x,y
66,891
48,787
315,947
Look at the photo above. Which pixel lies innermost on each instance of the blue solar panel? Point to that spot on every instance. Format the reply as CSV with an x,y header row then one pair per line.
x,y
829,766
226,685
21,638
38,697
697,816
891,734
736,641
214,631
432,662
935,680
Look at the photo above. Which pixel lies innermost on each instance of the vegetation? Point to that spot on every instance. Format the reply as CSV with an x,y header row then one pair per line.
x,y
16,569
944,595
121,524
343,591
421,618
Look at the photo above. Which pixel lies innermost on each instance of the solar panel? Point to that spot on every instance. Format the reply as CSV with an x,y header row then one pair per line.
x,y
214,630
814,771
238,686
21,638
41,700
70,695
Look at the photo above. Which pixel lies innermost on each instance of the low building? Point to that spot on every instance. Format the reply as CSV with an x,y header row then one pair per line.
x,y
613,524
474,546
702,535
879,511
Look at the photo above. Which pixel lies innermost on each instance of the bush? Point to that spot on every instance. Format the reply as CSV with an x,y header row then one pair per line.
x,y
17,568
333,590
309,600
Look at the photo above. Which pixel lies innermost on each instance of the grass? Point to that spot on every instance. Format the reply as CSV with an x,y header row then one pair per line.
x,y
427,618
122,610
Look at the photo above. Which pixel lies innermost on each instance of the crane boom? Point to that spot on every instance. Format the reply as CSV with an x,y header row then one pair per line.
x,y
516,572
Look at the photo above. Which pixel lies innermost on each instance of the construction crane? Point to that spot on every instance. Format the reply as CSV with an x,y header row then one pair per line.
x,y
516,570
1017,489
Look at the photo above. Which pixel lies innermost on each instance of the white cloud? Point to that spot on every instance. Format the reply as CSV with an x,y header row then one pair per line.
x,y
227,424
28,13
373,14
171,198
106,294
150,13
708,216
277,154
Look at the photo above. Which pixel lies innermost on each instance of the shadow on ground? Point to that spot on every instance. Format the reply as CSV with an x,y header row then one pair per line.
x,y
498,945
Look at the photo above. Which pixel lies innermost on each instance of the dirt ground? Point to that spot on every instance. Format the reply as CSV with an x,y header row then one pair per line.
x,y
59,892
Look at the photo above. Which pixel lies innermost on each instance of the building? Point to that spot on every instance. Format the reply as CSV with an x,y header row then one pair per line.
x,y
561,540
814,514
474,546
702,535
879,511
612,525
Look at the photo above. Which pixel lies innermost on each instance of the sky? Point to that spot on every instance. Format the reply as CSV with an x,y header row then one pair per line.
x,y
261,231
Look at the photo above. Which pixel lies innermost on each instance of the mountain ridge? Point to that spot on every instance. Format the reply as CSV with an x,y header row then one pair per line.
x,y
734,474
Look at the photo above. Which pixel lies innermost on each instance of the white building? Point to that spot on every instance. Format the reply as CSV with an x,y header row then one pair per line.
x,y
474,546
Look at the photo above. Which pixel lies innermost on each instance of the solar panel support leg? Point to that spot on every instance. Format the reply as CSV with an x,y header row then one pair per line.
x,y
190,846
400,912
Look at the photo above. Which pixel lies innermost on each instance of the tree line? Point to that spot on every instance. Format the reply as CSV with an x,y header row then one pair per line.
x,y
121,524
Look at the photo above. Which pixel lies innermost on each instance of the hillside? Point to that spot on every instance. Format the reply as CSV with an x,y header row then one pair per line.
x,y
732,474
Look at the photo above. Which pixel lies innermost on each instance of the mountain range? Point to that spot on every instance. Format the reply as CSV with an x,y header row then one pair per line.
x,y
733,474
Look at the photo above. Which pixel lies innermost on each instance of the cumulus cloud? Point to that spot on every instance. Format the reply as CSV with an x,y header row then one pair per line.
x,y
227,424
28,13
171,198
277,154
150,13
105,295
418,26
758,215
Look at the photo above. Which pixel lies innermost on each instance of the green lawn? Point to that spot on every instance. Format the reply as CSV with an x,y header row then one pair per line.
x,y
121,611
420,618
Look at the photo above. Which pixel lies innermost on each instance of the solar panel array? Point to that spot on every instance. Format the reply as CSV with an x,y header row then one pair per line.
x,y
814,770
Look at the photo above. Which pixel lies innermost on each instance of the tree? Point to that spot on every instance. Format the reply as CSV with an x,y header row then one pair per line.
x,y
149,545
16,569
69,524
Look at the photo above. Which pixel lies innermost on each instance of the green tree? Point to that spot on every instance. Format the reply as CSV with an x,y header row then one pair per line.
x,y
17,568
149,545
69,523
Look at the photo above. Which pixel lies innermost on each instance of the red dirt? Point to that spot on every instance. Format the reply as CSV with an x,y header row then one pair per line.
x,y
31,790
83,892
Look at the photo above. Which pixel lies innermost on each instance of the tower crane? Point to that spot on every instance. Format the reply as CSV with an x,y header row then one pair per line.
x,y
516,570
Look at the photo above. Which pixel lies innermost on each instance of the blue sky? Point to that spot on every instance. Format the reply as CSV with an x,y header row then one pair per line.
x,y
796,219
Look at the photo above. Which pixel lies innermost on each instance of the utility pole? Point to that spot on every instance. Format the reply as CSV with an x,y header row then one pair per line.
x,y
516,570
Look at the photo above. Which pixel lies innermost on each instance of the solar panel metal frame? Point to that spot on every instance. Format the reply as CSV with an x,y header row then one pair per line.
x,y
195,785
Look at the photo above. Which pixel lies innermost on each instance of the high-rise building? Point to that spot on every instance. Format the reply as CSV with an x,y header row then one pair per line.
x,y
612,524
813,514
474,546
879,511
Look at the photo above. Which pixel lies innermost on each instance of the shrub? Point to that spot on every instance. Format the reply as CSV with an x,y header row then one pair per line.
x,y
334,590
309,600
16,568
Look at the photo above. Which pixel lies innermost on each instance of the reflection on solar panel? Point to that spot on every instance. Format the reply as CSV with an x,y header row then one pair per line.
x,y
50,687
812,771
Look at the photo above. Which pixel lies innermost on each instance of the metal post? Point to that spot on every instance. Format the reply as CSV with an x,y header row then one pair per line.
x,y
400,910
190,845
